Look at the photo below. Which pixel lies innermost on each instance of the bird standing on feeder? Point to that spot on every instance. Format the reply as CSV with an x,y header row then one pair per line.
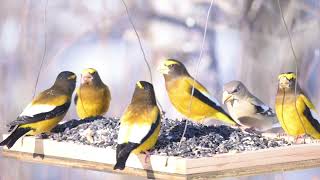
x,y
45,111
296,113
179,88
246,109
93,96
139,125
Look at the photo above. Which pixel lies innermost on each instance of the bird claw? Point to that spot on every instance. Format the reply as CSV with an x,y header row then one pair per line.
x,y
296,139
148,154
280,135
42,136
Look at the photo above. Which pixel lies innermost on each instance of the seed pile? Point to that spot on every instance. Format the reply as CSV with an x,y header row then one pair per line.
x,y
199,141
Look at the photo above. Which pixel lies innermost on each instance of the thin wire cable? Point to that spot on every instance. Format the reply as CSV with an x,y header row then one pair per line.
x,y
197,68
296,63
142,50
44,51
138,37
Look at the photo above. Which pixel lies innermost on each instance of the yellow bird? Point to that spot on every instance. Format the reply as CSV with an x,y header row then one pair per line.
x,y
139,125
45,111
179,88
93,97
297,114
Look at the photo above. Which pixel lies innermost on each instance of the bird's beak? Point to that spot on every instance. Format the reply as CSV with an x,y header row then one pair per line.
x,y
284,83
226,97
86,78
163,69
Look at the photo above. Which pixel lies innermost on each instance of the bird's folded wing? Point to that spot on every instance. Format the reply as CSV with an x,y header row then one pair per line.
x,y
202,93
76,98
261,108
35,112
138,127
311,113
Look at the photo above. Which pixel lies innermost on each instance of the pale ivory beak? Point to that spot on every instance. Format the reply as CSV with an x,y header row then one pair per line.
x,y
163,69
86,78
226,97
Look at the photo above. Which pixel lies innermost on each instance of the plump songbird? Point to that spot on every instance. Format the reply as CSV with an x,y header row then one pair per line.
x,y
179,88
139,125
297,114
45,111
246,109
93,96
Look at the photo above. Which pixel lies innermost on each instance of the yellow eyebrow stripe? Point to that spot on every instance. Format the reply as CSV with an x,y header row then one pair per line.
x,y
169,62
288,76
89,70
139,85
72,77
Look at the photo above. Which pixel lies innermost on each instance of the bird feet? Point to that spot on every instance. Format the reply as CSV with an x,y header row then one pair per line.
x,y
42,136
281,135
148,154
301,139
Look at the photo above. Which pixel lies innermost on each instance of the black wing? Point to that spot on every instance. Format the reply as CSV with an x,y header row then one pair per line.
x,y
152,129
58,111
197,94
76,99
314,122
261,108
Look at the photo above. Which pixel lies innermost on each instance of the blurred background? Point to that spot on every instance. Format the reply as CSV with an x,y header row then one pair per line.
x,y
246,40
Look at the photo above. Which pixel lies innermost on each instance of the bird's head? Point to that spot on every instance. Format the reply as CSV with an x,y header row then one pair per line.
x,y
143,91
233,90
89,76
144,86
287,80
66,79
172,68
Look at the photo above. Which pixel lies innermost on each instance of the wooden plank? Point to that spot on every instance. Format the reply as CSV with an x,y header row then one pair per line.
x,y
73,163
255,170
268,157
230,164
100,155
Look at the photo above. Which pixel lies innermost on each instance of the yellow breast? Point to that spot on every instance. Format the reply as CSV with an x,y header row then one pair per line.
x,y
292,118
44,126
92,101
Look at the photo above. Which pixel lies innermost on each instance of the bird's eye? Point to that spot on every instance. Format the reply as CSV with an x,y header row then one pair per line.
x,y
236,90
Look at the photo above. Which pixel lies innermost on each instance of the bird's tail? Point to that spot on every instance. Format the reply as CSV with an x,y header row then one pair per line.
x,y
14,136
123,152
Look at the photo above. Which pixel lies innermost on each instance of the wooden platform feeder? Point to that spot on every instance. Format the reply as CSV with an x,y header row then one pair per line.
x,y
222,165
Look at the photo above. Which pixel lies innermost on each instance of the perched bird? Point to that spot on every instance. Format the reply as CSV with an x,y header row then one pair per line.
x,y
45,111
246,109
296,113
179,88
139,125
93,96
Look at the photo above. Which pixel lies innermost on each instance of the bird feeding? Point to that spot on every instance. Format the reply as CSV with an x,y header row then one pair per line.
x,y
206,151
201,140
141,122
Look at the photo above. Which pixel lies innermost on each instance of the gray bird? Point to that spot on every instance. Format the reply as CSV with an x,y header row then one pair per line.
x,y
246,109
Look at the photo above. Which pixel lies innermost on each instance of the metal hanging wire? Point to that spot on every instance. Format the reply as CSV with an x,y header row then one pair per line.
x,y
197,68
142,50
45,48
295,60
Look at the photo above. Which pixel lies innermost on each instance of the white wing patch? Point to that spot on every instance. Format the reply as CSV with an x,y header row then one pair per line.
x,y
133,133
211,98
32,110
315,115
264,107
